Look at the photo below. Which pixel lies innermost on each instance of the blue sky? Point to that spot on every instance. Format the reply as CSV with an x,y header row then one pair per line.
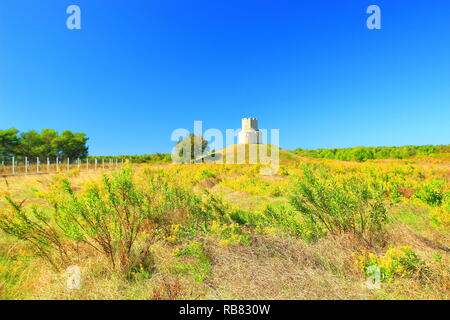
x,y
139,69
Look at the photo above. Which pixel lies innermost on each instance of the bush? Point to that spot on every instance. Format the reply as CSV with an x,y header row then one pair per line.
x,y
288,221
205,174
333,206
107,217
198,266
229,233
116,217
33,226
441,215
396,262
431,193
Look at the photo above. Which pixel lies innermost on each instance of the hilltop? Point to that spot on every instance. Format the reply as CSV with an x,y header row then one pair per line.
x,y
241,153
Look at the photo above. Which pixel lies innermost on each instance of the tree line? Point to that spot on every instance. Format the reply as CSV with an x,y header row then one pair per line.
x,y
144,158
47,143
189,144
370,153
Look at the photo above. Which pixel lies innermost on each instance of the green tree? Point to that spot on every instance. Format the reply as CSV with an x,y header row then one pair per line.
x,y
71,145
31,144
48,137
9,141
191,146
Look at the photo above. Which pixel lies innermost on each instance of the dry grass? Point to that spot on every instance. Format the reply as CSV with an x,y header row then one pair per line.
x,y
268,267
275,268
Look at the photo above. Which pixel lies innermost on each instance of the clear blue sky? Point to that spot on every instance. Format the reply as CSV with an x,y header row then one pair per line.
x,y
139,69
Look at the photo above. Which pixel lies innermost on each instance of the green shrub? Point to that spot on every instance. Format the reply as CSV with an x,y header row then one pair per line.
x,y
117,217
431,193
244,218
34,226
199,265
166,196
347,205
107,217
207,174
286,220
396,262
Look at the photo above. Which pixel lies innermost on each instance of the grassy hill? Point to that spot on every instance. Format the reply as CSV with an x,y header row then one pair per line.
x,y
241,154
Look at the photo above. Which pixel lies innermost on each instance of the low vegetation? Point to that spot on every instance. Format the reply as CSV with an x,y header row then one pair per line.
x,y
145,158
370,153
316,230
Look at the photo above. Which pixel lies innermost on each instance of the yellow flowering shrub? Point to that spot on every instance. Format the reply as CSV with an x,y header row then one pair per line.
x,y
194,261
175,230
442,215
396,262
256,186
229,233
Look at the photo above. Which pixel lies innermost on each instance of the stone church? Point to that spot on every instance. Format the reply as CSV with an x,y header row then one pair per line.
x,y
250,133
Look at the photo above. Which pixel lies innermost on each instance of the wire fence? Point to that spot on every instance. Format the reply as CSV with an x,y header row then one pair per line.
x,y
26,165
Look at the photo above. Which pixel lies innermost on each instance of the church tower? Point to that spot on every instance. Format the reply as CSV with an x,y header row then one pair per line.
x,y
250,133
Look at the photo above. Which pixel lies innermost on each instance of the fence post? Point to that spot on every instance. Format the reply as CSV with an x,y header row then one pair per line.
x,y
26,165
122,163
13,168
103,164
37,164
87,163
95,164
116,164
48,164
57,164
68,164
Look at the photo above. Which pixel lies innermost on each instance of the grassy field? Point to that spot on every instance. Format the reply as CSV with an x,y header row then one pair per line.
x,y
313,231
